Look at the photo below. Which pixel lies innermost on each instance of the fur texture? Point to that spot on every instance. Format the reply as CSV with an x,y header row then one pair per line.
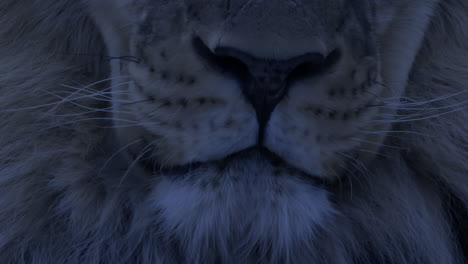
x,y
69,195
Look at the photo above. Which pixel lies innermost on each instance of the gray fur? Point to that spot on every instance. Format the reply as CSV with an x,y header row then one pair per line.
x,y
60,204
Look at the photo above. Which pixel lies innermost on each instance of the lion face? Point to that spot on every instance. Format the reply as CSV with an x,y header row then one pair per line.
x,y
256,98
242,131
299,80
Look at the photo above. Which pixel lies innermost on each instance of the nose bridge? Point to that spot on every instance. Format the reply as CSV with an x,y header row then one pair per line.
x,y
277,29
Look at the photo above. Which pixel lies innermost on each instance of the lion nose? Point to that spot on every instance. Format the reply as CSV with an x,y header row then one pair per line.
x,y
265,81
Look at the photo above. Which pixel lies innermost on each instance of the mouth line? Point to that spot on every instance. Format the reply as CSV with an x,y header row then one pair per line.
x,y
179,171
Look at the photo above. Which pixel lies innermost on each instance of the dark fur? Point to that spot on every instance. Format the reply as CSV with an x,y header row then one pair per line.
x,y
56,208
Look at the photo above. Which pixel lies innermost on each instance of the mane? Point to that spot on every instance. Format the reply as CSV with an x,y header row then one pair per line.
x,y
440,82
48,157
439,78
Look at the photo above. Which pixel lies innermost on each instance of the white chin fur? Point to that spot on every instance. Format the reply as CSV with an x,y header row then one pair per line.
x,y
241,209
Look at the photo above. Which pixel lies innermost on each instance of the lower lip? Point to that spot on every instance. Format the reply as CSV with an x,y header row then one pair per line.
x,y
250,153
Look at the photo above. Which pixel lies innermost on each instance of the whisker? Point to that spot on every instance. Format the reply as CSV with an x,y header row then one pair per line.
x,y
371,152
356,161
395,131
95,118
98,110
133,125
377,144
86,88
383,85
115,154
66,99
163,165
95,83
105,91
399,107
134,162
89,87
398,115
350,176
97,94
419,119
337,176
136,102
93,110
417,103
105,57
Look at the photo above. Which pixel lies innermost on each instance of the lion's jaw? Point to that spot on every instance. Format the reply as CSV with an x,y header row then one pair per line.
x,y
187,112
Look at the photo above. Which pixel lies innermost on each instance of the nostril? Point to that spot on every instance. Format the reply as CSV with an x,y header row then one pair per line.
x,y
233,66
311,66
222,62
333,58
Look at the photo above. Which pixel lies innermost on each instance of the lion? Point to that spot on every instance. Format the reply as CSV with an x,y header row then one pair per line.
x,y
242,131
